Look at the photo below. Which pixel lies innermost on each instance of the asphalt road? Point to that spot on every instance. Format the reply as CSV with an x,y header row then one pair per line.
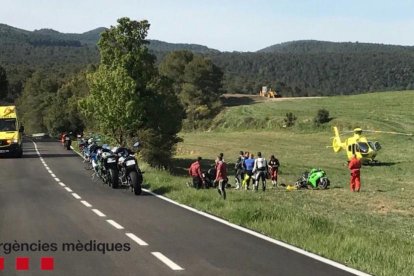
x,y
52,203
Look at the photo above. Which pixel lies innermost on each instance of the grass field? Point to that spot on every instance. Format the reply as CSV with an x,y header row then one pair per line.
x,y
372,230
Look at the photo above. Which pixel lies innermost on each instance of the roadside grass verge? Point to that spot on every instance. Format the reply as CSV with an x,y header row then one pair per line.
x,y
372,231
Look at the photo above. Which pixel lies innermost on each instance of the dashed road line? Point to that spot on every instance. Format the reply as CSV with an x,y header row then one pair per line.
x,y
75,195
132,236
86,203
114,224
99,213
167,261
136,239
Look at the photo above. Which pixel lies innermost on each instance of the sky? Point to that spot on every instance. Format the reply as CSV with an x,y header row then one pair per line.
x,y
226,25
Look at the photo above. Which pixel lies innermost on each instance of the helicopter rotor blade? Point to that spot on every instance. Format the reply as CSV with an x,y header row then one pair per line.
x,y
380,131
388,132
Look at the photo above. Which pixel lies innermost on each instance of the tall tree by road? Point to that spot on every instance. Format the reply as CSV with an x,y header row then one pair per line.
x,y
128,98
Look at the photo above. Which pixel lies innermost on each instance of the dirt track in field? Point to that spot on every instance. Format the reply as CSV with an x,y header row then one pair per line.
x,y
242,99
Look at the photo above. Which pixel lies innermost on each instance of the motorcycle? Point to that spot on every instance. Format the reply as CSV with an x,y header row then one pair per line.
x,y
67,142
316,178
82,143
129,173
90,155
107,167
209,177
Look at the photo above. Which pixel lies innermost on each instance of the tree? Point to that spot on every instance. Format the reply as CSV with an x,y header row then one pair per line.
x,y
37,96
198,84
63,114
113,103
321,117
127,96
3,84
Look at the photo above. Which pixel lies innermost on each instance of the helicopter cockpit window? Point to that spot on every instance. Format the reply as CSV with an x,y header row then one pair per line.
x,y
374,145
364,148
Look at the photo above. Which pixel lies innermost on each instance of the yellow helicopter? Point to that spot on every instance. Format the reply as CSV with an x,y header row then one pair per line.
x,y
359,145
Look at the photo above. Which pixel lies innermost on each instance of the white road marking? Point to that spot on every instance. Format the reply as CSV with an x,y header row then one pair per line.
x,y
68,189
114,224
76,196
167,261
99,213
53,175
261,236
86,203
136,239
174,266
62,184
57,179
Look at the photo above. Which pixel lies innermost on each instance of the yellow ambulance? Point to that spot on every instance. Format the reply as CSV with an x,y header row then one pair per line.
x,y
11,132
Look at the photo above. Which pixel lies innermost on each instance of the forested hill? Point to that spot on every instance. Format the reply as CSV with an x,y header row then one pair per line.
x,y
58,55
316,74
89,38
297,68
322,47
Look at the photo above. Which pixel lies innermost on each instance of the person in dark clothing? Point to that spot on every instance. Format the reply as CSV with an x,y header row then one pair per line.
x,y
195,172
273,169
239,169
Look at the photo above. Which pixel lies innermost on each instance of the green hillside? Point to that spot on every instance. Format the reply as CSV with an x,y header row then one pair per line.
x,y
297,68
318,47
371,231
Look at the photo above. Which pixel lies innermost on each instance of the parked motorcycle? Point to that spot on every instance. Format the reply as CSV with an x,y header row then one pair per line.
x,y
67,141
107,167
316,178
129,173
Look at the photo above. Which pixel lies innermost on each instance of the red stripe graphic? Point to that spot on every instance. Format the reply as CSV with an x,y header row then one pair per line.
x,y
22,263
47,263
1,263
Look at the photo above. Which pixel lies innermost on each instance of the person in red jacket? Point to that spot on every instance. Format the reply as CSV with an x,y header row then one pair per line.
x,y
195,172
355,167
221,176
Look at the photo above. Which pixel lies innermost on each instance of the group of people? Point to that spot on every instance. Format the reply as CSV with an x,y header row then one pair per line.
x,y
219,178
248,170
255,170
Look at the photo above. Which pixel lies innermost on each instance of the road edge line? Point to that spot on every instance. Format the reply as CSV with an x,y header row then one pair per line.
x,y
264,237
258,235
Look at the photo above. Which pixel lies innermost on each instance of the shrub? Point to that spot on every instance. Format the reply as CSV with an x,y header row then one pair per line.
x,y
321,117
289,120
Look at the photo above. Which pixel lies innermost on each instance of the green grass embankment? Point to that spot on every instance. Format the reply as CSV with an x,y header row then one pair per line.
x,y
372,231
